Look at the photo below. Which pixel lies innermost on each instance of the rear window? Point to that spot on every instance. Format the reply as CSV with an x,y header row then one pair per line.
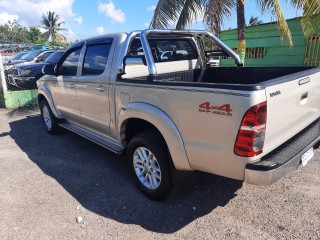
x,y
166,50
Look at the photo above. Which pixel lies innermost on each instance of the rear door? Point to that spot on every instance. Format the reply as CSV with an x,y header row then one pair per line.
x,y
291,105
92,86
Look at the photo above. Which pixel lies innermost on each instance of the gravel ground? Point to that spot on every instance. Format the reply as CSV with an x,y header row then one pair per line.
x,y
48,183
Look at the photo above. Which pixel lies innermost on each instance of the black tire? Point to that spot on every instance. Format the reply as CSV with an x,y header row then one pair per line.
x,y
154,143
52,128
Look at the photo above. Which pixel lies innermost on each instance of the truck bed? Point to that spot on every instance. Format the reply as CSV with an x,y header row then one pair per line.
x,y
245,78
248,75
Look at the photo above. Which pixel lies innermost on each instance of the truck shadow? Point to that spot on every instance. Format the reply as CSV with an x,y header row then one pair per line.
x,y
100,181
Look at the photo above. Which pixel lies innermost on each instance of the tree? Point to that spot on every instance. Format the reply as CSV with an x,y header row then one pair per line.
x,y
50,22
34,35
13,32
254,21
184,12
311,14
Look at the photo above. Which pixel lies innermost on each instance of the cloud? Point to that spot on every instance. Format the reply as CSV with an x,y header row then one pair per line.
x,y
79,20
5,17
70,32
100,30
151,8
30,11
146,25
109,9
71,36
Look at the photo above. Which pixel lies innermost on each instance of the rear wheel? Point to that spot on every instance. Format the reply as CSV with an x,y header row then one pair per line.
x,y
49,120
150,165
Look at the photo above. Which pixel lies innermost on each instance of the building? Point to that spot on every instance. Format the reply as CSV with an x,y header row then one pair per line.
x,y
265,49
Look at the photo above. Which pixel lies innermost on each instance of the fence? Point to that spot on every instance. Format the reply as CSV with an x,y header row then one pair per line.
x,y
12,96
21,66
312,56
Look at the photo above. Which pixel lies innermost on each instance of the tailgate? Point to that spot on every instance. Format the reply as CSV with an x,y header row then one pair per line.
x,y
292,105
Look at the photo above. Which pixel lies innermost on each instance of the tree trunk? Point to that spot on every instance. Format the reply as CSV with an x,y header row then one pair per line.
x,y
241,22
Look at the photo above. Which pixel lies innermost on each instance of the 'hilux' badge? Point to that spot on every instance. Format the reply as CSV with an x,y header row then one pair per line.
x,y
304,81
273,94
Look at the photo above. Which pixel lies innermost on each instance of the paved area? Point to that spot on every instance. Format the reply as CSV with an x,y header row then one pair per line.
x,y
47,183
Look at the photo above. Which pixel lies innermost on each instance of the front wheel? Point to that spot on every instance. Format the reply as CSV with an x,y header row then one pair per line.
x,y
49,120
150,165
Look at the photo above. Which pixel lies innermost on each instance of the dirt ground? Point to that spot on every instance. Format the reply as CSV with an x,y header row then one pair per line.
x,y
48,183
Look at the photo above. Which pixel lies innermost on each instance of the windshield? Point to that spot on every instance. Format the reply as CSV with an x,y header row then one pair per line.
x,y
54,58
19,56
31,55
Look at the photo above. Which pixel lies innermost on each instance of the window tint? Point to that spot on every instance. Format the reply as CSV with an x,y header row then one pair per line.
x,y
31,55
95,59
45,55
19,56
70,65
55,57
166,50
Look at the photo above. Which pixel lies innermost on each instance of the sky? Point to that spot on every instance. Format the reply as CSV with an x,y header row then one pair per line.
x,y
85,18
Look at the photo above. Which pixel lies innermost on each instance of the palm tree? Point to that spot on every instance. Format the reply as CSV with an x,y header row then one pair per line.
x,y
311,14
51,23
254,21
184,12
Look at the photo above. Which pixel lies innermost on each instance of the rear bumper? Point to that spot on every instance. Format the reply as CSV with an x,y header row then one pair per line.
x,y
284,159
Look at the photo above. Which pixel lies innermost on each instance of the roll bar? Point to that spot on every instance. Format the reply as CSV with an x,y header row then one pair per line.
x,y
146,48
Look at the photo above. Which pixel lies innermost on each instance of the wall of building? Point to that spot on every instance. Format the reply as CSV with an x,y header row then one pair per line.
x,y
275,52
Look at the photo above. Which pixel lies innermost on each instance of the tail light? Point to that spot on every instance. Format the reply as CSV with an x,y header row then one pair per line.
x,y
250,139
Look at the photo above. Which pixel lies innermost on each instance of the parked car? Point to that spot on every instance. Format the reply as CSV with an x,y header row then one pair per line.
x,y
18,56
254,124
32,56
24,76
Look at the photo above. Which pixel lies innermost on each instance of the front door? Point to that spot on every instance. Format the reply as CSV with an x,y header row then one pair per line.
x,y
92,86
63,89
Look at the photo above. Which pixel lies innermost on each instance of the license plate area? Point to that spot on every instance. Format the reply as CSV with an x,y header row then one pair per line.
x,y
307,156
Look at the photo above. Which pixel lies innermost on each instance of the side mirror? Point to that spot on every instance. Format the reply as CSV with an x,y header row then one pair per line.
x,y
134,61
48,70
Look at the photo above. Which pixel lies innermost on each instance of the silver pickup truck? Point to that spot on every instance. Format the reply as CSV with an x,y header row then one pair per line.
x,y
153,95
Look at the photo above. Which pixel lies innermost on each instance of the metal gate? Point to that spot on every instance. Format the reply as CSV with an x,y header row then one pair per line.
x,y
312,56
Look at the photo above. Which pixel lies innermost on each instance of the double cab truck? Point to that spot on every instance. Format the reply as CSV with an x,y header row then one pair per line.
x,y
152,95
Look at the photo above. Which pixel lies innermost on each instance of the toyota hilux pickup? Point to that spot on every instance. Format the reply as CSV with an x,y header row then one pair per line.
x,y
152,95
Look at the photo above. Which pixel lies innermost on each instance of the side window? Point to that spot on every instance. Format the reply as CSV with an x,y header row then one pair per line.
x,y
45,55
95,59
70,65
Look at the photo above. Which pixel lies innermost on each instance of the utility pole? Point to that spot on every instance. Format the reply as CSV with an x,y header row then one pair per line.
x,y
2,76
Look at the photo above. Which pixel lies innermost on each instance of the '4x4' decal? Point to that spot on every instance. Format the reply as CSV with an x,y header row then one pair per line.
x,y
224,110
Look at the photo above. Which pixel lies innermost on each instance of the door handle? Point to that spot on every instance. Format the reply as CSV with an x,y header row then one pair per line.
x,y
102,88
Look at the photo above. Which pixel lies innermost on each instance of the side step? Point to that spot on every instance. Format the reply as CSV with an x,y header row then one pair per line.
x,y
103,140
